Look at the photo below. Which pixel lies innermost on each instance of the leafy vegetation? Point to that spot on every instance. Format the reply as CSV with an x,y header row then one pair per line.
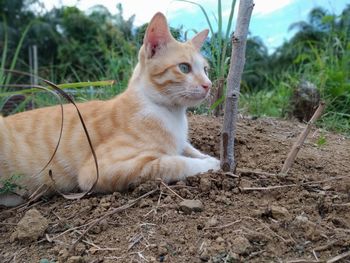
x,y
10,184
76,47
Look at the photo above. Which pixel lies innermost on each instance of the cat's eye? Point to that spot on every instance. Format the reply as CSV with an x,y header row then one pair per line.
x,y
206,70
185,68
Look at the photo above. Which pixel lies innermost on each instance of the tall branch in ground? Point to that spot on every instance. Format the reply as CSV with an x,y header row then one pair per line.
x,y
300,141
239,39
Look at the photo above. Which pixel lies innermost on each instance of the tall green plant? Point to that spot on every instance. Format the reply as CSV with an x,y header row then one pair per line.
x,y
218,47
17,51
5,78
220,40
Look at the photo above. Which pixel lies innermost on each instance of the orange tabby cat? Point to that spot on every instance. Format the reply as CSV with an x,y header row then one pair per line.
x,y
139,135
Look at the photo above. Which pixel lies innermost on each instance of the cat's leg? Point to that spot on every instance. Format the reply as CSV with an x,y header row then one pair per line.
x,y
120,175
192,152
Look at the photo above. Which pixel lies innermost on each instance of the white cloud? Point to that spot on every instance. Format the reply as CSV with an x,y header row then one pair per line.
x,y
144,10
265,7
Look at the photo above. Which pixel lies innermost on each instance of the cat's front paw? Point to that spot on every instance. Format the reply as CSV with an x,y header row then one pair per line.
x,y
213,163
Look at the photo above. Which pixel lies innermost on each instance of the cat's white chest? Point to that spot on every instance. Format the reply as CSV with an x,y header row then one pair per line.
x,y
176,125
173,121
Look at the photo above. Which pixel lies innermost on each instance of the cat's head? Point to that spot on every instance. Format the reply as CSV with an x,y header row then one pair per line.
x,y
177,72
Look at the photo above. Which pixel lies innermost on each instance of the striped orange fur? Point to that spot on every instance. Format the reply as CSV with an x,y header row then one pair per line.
x,y
139,135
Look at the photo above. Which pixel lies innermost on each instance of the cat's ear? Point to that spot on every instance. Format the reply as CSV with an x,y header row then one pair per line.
x,y
157,35
199,39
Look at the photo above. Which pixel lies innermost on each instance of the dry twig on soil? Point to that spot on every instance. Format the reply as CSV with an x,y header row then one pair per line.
x,y
172,191
339,257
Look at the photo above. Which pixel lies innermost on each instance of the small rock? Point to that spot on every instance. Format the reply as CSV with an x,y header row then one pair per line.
x,y
228,184
168,200
184,192
63,255
181,183
240,245
204,184
187,206
10,200
301,219
279,212
162,249
235,191
181,240
233,257
245,184
204,255
76,259
105,205
223,199
145,203
152,259
213,222
30,227
96,229
220,240
104,224
80,249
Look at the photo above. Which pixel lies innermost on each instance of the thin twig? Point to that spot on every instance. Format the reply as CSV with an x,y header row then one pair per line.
x,y
273,232
324,247
224,226
301,261
315,255
339,257
248,171
135,240
98,248
300,141
341,205
247,189
172,191
231,175
8,224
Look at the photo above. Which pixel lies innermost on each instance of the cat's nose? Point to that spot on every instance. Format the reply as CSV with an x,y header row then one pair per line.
x,y
206,86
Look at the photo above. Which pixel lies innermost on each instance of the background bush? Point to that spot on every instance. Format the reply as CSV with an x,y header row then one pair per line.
x,y
76,46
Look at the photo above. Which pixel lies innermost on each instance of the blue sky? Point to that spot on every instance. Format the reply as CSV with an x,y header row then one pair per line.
x,y
270,20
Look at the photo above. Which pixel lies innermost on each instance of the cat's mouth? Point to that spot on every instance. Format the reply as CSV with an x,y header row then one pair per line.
x,y
193,97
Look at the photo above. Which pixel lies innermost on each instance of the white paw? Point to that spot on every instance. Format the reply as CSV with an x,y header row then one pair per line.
x,y
212,163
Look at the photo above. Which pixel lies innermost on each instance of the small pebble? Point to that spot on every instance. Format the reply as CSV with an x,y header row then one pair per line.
x,y
187,206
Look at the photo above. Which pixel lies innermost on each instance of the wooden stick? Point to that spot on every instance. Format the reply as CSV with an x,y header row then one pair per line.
x,y
233,85
172,191
339,257
247,189
300,141
244,171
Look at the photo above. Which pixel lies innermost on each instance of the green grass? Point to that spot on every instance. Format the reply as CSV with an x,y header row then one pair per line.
x,y
273,101
218,49
10,184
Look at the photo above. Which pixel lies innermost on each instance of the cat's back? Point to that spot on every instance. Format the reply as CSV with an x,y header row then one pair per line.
x,y
28,139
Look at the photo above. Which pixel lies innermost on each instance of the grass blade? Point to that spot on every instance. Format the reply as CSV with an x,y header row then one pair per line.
x,y
31,89
18,49
230,19
204,12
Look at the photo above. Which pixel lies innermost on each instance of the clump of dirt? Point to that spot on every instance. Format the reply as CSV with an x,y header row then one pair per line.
x,y
254,215
30,227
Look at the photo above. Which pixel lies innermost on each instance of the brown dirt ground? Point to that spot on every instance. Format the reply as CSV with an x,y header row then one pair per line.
x,y
305,220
